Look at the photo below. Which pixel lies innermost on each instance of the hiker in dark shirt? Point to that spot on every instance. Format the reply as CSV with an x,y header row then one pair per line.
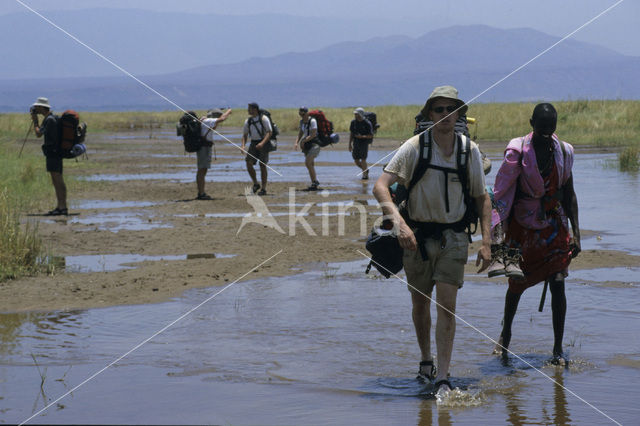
x,y
51,150
361,136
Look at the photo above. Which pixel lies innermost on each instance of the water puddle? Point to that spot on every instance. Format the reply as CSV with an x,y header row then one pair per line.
x,y
110,204
117,262
623,274
119,221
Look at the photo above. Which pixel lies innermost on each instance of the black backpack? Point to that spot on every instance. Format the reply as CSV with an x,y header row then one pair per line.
x,y
274,128
423,123
373,119
190,129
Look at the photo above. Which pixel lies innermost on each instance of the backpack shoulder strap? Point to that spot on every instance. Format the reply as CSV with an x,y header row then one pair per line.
x,y
423,163
261,130
464,150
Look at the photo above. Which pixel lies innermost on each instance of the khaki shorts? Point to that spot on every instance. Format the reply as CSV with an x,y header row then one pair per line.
x,y
443,265
204,157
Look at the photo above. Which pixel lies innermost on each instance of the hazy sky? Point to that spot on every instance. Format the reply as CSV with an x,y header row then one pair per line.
x,y
618,29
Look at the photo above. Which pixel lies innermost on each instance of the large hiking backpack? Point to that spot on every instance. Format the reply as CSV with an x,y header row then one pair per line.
x,y
423,123
190,128
373,119
275,131
72,133
325,129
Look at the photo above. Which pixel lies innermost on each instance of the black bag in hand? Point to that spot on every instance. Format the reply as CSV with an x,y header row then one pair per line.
x,y
386,253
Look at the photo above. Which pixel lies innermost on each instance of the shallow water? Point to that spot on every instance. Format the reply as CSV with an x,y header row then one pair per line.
x,y
333,346
116,262
329,346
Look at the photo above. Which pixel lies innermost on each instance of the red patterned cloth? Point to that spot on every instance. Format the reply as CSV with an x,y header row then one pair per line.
x,y
545,251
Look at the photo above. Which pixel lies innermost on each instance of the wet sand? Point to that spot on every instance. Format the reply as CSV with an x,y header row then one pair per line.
x,y
152,212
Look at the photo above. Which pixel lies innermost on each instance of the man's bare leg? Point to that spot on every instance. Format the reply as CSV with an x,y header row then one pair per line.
x,y
422,322
446,295
60,188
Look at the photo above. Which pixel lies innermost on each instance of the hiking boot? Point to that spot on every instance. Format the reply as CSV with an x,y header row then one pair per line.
x,y
58,212
314,186
203,196
427,371
512,264
496,267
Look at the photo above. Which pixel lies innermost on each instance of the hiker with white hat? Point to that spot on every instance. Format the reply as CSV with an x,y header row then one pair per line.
x,y
434,226
361,135
51,150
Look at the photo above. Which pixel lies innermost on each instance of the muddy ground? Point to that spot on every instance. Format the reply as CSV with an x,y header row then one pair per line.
x,y
174,223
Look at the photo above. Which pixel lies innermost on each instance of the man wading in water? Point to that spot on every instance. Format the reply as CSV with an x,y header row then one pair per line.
x,y
433,233
534,197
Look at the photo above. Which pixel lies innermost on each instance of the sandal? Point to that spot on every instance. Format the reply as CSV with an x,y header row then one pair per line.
x,y
440,383
427,371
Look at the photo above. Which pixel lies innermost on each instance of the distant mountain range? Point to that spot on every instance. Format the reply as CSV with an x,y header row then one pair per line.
x,y
384,70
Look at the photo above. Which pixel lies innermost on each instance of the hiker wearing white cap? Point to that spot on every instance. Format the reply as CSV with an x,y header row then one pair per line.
x,y
361,135
51,150
434,228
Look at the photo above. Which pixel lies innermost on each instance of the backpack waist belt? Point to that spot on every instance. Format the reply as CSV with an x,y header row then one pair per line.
x,y
433,230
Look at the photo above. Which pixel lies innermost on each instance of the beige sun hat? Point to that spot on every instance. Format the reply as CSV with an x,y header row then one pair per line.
x,y
43,102
448,92
214,113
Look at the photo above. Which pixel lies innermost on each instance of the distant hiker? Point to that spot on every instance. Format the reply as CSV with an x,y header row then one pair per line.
x,y
534,197
433,227
203,154
307,140
51,149
257,129
361,135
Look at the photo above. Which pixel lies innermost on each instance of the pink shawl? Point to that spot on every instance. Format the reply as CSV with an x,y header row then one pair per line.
x,y
520,161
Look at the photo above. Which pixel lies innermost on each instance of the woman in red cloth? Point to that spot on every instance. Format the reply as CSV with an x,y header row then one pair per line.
x,y
534,201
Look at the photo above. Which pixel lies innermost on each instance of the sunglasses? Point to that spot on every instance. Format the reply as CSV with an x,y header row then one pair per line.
x,y
441,109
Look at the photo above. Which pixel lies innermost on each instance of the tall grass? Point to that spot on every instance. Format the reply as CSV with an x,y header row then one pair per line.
x,y
20,246
629,159
23,185
581,122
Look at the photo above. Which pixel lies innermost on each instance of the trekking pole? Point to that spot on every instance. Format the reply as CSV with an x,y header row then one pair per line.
x,y
25,139
544,295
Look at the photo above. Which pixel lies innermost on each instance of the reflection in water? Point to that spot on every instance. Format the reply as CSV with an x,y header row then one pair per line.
x,y
561,412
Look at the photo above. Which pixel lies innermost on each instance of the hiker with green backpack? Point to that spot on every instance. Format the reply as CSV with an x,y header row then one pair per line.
x,y
443,172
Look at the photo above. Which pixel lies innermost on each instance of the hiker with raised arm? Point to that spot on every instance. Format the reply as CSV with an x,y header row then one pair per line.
x,y
534,201
203,154
257,129
51,148
360,136
443,172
